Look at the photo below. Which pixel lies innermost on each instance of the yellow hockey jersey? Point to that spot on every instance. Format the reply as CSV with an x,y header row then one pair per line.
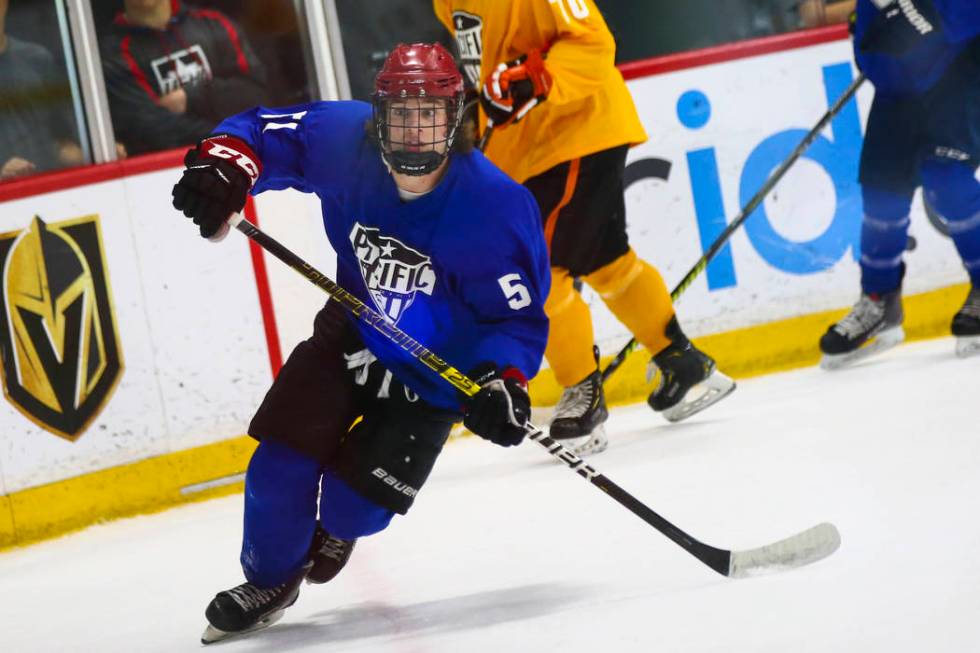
x,y
589,108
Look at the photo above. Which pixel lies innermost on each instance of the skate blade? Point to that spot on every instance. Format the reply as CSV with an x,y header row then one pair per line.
x,y
713,389
586,445
967,346
883,341
213,635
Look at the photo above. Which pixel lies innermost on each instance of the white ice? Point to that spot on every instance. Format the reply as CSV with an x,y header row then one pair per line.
x,y
507,551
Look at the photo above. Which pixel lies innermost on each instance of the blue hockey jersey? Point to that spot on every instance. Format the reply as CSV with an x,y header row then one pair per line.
x,y
464,269
919,69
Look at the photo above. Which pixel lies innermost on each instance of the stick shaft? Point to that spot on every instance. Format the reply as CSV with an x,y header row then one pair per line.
x,y
356,307
717,559
744,214
487,133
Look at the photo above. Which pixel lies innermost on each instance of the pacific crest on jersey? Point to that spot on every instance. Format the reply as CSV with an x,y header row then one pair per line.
x,y
418,103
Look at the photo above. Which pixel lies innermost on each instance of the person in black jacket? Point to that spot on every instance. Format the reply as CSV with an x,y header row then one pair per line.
x,y
37,129
173,73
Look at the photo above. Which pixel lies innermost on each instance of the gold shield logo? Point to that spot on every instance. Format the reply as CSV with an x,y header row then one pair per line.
x,y
59,346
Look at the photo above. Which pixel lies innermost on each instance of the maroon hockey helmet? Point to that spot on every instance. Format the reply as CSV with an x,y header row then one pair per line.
x,y
418,103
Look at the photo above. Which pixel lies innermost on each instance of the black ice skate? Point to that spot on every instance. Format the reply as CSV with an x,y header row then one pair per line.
x,y
581,411
872,326
683,368
328,555
247,608
966,325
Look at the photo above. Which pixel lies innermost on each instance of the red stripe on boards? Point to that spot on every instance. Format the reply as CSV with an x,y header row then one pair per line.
x,y
733,51
265,294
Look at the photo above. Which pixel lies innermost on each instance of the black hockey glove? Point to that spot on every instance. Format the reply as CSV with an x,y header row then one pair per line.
x,y
220,171
514,88
499,411
899,26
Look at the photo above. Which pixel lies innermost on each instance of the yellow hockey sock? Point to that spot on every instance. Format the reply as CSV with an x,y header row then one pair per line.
x,y
637,295
570,337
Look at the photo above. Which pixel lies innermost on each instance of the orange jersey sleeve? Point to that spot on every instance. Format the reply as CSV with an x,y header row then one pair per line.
x,y
582,52
589,108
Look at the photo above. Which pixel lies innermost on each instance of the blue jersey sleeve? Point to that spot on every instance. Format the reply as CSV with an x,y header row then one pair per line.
x,y
506,287
307,147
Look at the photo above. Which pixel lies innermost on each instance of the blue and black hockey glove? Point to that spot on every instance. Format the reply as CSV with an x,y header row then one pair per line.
x,y
499,411
220,171
899,26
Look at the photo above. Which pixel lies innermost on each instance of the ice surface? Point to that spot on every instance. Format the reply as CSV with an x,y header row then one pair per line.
x,y
505,550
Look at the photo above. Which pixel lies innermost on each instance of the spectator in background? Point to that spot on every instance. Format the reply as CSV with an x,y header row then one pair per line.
x,y
35,119
779,16
814,13
371,26
173,73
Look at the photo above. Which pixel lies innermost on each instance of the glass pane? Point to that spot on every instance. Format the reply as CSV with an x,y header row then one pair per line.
x,y
657,27
175,69
370,28
40,108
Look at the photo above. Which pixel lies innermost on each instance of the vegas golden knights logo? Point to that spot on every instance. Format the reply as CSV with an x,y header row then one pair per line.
x,y
59,346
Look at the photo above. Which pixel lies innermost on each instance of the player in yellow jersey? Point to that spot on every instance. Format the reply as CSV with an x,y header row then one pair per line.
x,y
563,121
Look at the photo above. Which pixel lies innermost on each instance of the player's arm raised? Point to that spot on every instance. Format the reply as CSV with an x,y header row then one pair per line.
x,y
259,149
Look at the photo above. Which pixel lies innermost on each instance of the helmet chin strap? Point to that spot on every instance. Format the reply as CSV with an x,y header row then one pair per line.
x,y
413,164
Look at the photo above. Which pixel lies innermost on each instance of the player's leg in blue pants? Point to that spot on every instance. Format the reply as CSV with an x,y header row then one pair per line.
x,y
951,187
884,235
346,514
281,488
280,513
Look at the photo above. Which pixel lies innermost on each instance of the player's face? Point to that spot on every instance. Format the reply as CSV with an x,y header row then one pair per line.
x,y
418,125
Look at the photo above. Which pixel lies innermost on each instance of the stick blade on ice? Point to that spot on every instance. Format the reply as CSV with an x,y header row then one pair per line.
x,y
798,550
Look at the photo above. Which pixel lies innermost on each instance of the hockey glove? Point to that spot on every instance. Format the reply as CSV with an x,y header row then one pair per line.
x,y
220,171
899,26
514,88
499,411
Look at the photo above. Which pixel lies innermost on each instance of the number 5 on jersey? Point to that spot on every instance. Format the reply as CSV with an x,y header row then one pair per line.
x,y
516,292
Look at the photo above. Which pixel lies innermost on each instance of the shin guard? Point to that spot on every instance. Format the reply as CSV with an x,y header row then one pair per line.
x,y
637,295
570,336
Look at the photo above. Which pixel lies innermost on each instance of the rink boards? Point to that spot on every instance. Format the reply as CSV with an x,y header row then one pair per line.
x,y
135,352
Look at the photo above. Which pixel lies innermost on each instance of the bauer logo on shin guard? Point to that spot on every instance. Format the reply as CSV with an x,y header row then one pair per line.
x,y
396,485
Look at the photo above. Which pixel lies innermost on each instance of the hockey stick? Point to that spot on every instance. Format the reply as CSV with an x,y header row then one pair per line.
x,y
744,214
487,133
803,548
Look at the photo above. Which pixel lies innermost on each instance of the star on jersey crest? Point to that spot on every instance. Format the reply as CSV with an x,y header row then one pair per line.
x,y
393,272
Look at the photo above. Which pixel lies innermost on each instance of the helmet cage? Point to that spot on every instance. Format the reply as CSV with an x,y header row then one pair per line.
x,y
416,130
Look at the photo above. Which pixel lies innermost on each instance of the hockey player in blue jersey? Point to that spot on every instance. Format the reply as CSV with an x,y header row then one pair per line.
x,y
438,240
923,57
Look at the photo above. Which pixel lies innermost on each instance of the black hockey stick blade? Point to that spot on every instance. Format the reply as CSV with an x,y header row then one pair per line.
x,y
801,549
